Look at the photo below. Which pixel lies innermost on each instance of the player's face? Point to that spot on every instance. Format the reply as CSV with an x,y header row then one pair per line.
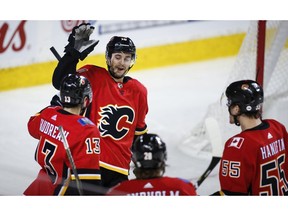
x,y
119,65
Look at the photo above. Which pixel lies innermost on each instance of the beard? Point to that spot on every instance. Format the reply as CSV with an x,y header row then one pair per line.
x,y
115,75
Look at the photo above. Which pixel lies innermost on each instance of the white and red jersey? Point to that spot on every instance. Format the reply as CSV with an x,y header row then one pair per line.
x,y
255,161
56,176
119,110
162,186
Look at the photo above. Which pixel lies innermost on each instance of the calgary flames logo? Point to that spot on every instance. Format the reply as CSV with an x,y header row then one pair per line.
x,y
115,121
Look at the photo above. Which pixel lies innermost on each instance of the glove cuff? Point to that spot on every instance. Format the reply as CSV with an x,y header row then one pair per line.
x,y
73,52
55,101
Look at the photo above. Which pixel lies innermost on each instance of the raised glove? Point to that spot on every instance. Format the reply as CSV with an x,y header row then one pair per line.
x,y
79,44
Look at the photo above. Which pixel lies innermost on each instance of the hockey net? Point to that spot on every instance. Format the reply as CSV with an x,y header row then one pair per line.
x,y
275,84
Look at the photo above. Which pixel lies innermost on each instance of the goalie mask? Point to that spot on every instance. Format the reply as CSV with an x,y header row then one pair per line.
x,y
149,152
247,94
74,89
120,44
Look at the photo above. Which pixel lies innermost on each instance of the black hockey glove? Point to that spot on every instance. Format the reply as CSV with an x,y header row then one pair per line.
x,y
56,101
79,44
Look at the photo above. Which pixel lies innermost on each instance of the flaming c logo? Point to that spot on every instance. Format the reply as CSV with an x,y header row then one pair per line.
x,y
115,121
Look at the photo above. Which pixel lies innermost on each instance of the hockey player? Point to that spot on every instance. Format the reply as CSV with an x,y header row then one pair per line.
x,y
149,158
119,105
254,162
56,176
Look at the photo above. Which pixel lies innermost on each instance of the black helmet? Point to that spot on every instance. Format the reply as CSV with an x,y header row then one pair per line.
x,y
149,152
74,89
121,44
247,94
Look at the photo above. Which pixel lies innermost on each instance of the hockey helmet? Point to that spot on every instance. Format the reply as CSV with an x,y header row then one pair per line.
x,y
74,89
120,44
247,94
149,152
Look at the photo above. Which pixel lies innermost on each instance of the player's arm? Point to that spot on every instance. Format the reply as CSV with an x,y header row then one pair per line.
x,y
87,157
33,127
141,126
33,124
79,47
67,64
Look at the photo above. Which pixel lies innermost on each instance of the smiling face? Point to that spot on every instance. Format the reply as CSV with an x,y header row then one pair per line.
x,y
119,65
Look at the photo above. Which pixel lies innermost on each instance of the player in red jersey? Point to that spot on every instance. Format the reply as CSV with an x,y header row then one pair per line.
x,y
255,161
149,158
56,176
119,105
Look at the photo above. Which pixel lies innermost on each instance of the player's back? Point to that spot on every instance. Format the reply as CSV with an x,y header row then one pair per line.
x,y
162,186
254,162
50,153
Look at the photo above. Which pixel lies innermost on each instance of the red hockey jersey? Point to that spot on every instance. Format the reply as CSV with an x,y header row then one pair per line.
x,y
163,186
254,162
119,110
55,176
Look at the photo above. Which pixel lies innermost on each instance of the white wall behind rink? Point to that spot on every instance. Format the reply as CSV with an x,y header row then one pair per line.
x,y
24,42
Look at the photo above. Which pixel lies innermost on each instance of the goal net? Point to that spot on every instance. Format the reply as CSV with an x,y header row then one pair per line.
x,y
273,68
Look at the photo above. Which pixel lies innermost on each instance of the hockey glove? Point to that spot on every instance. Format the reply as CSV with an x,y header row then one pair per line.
x,y
55,101
79,44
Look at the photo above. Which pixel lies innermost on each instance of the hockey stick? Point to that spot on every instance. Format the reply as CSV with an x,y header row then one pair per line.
x,y
55,53
70,157
214,134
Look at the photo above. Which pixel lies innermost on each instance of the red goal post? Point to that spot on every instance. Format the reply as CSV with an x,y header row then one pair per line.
x,y
261,35
263,56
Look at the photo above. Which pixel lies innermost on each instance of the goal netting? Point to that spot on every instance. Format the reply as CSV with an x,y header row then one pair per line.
x,y
275,83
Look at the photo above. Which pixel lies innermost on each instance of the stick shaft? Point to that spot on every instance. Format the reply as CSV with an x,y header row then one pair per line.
x,y
215,138
212,165
70,157
55,53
